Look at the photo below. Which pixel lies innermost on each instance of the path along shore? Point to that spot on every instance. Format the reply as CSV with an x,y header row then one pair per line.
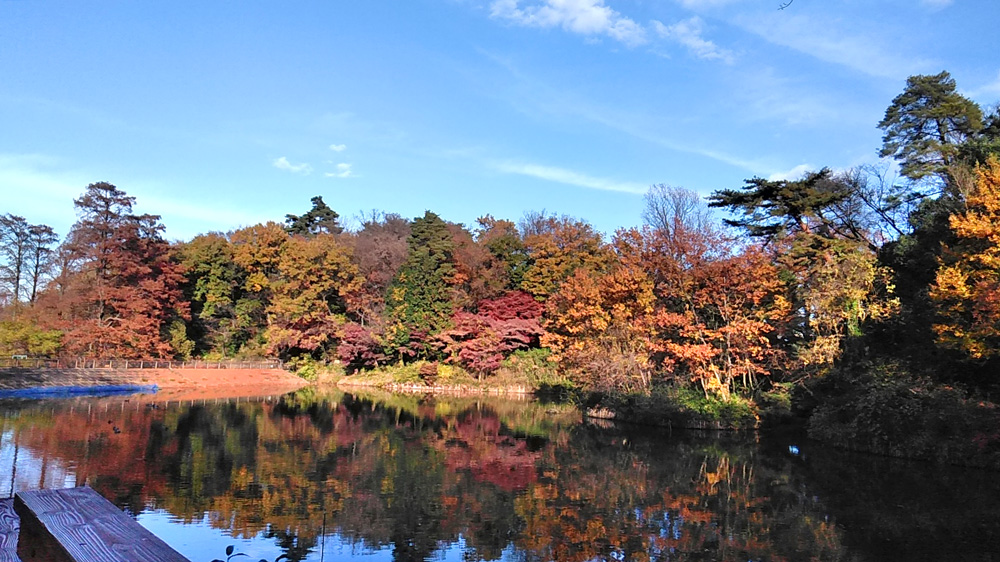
x,y
172,384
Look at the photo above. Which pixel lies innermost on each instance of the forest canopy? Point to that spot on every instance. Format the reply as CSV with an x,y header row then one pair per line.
x,y
799,276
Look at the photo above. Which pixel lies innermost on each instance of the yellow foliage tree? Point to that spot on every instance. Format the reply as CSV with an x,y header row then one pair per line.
x,y
315,274
966,290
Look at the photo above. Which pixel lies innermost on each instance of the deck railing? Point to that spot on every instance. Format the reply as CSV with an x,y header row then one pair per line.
x,y
118,364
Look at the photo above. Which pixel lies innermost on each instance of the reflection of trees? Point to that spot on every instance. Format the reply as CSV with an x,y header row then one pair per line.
x,y
510,479
620,496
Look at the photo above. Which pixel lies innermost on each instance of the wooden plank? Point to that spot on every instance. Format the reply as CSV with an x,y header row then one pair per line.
x,y
78,524
9,527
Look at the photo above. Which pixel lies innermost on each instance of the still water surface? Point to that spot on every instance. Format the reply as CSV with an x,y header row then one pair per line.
x,y
323,475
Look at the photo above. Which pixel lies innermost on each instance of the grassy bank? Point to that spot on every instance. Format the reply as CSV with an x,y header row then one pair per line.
x,y
689,408
528,372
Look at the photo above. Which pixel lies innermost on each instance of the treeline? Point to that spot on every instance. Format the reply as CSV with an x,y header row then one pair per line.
x,y
831,268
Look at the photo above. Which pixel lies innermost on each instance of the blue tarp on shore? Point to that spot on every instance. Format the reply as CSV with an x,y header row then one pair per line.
x,y
72,391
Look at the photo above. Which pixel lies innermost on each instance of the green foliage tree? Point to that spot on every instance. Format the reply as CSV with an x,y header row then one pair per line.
x,y
925,125
24,337
215,284
420,297
321,218
773,209
502,240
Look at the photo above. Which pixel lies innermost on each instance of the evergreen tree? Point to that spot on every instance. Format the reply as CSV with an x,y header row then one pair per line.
x,y
321,218
420,299
925,125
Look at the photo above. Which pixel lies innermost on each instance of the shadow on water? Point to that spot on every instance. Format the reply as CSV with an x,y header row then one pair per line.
x,y
320,473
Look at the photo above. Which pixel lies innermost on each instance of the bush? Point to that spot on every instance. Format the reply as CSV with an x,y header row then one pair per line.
x,y
305,367
536,369
681,407
884,409
775,405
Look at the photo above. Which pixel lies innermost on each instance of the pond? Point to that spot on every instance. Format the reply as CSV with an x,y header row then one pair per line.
x,y
323,475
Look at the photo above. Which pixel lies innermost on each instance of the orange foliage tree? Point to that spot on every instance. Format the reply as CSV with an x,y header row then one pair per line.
x,y
599,323
967,286
119,292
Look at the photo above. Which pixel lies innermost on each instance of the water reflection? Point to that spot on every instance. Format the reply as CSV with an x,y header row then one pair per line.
x,y
325,475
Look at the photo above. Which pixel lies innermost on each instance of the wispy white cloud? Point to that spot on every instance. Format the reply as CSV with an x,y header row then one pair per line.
x,y
544,97
343,171
338,147
283,164
689,34
988,89
569,177
827,41
585,17
43,189
795,173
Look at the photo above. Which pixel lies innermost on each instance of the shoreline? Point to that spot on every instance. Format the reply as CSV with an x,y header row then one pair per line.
x,y
171,384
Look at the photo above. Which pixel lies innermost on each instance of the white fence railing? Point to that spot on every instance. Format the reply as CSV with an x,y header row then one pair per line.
x,y
118,364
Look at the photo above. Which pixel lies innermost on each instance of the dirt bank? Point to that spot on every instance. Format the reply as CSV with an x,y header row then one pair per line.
x,y
173,383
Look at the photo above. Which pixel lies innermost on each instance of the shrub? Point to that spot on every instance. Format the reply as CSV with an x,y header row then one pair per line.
x,y
681,407
883,409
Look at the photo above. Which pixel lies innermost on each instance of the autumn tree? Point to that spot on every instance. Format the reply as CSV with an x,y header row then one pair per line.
x,y
14,250
557,247
25,251
479,273
966,290
481,341
40,259
720,309
380,249
257,251
598,324
307,308
835,282
125,291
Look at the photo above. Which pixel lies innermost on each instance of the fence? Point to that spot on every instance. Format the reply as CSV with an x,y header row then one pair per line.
x,y
80,363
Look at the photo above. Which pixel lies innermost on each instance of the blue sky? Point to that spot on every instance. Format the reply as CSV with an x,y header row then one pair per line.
x,y
221,114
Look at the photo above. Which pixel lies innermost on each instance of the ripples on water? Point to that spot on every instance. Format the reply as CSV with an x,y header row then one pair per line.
x,y
322,475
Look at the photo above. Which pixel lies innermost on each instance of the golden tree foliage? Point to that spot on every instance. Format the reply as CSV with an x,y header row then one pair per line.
x,y
258,249
966,290
557,248
315,274
841,286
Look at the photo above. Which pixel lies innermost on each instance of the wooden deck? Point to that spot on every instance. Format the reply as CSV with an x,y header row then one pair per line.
x,y
9,525
78,525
